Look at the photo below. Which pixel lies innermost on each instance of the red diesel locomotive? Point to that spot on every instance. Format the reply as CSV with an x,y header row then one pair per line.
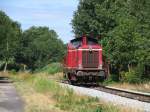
x,y
84,62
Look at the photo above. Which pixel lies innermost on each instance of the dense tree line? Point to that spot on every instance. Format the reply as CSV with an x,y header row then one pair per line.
x,y
10,34
124,28
31,49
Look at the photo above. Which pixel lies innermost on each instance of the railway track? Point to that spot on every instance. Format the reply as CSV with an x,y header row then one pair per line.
x,y
140,96
144,97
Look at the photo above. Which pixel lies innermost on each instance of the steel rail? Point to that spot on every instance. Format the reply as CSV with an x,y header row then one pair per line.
x,y
144,97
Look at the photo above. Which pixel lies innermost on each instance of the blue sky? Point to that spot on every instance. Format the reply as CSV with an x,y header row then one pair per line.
x,y
56,14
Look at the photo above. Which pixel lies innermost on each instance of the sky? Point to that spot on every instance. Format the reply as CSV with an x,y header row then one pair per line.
x,y
55,14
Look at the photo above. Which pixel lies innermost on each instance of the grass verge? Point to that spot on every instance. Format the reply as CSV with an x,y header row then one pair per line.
x,y
43,95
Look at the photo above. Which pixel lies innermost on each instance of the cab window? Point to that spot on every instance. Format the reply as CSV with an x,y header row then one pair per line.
x,y
92,41
76,43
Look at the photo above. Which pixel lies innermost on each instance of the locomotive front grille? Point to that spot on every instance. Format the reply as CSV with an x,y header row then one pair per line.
x,y
90,59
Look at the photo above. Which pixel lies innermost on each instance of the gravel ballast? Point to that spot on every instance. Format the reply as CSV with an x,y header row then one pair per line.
x,y
116,100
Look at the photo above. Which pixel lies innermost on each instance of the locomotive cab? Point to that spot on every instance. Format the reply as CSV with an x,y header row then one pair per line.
x,y
83,61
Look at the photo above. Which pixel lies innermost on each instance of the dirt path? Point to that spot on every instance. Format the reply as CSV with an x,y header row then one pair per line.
x,y
9,99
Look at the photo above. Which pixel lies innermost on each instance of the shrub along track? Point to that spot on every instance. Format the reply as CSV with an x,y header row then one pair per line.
x,y
140,96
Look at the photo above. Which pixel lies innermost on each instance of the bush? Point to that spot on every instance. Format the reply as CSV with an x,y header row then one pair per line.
x,y
113,78
51,68
108,81
132,77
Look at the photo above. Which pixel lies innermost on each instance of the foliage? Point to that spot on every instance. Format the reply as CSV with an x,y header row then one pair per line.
x,y
51,68
92,18
32,49
112,79
39,47
131,77
10,33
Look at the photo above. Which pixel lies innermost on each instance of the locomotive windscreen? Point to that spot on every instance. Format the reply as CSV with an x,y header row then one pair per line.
x,y
90,59
91,41
78,42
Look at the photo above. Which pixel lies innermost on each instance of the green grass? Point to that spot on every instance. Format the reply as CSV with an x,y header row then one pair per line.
x,y
65,99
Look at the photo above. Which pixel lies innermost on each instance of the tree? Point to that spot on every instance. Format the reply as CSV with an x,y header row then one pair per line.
x,y
10,33
93,18
39,47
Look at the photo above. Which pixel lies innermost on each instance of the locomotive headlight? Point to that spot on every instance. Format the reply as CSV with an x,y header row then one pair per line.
x,y
80,66
100,67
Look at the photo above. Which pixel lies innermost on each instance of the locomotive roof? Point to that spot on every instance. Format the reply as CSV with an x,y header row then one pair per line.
x,y
80,39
